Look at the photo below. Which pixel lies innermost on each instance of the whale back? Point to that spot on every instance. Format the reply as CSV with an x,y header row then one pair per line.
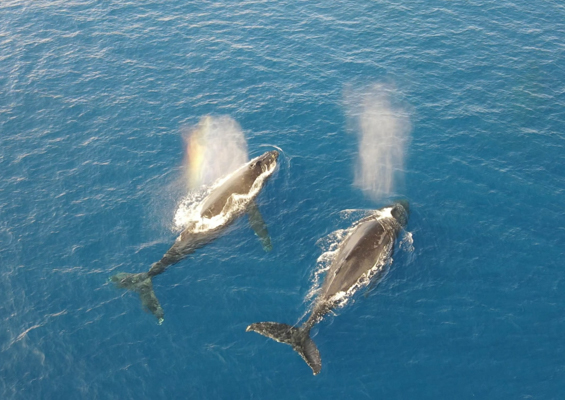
x,y
364,252
239,183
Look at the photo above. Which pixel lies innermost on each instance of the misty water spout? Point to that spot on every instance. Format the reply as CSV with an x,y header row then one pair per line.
x,y
215,147
383,133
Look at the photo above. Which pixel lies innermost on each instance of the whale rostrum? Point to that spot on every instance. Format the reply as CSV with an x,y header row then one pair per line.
x,y
364,253
227,201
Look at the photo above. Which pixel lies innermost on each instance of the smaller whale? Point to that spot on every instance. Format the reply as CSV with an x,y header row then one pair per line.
x,y
227,201
365,252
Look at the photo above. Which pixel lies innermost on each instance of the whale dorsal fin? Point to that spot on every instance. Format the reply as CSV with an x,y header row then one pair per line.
x,y
258,225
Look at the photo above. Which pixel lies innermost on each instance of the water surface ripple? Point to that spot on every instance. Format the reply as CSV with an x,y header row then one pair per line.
x,y
94,96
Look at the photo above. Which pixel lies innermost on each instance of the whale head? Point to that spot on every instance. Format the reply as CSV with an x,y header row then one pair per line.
x,y
400,212
264,162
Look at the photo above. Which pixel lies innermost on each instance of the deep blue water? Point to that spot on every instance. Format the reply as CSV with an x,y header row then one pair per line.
x,y
93,98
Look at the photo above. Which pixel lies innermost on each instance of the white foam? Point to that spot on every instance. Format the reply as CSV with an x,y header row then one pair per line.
x,y
384,213
407,242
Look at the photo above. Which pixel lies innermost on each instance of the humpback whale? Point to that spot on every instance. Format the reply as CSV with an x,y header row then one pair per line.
x,y
227,201
365,252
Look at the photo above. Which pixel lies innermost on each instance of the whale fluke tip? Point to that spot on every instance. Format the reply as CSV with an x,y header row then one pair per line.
x,y
141,283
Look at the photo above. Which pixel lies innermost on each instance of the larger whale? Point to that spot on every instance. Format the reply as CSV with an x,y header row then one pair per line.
x,y
365,252
227,201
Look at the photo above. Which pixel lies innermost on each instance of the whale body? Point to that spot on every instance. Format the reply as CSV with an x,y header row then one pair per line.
x,y
365,252
227,201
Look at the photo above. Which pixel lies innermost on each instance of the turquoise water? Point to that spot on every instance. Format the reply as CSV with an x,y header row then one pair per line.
x,y
94,97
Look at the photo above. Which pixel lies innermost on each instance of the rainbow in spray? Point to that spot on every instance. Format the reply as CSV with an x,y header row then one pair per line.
x,y
215,147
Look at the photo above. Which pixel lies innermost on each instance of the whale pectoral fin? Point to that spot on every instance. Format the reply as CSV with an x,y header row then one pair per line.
x,y
258,225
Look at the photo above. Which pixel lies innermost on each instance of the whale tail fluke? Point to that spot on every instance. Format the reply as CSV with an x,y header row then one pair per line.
x,y
142,284
298,338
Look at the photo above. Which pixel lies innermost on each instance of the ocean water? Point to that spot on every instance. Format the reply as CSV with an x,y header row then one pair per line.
x,y
94,99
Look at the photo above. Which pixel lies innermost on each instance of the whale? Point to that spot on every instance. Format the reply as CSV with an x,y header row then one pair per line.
x,y
231,197
363,255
